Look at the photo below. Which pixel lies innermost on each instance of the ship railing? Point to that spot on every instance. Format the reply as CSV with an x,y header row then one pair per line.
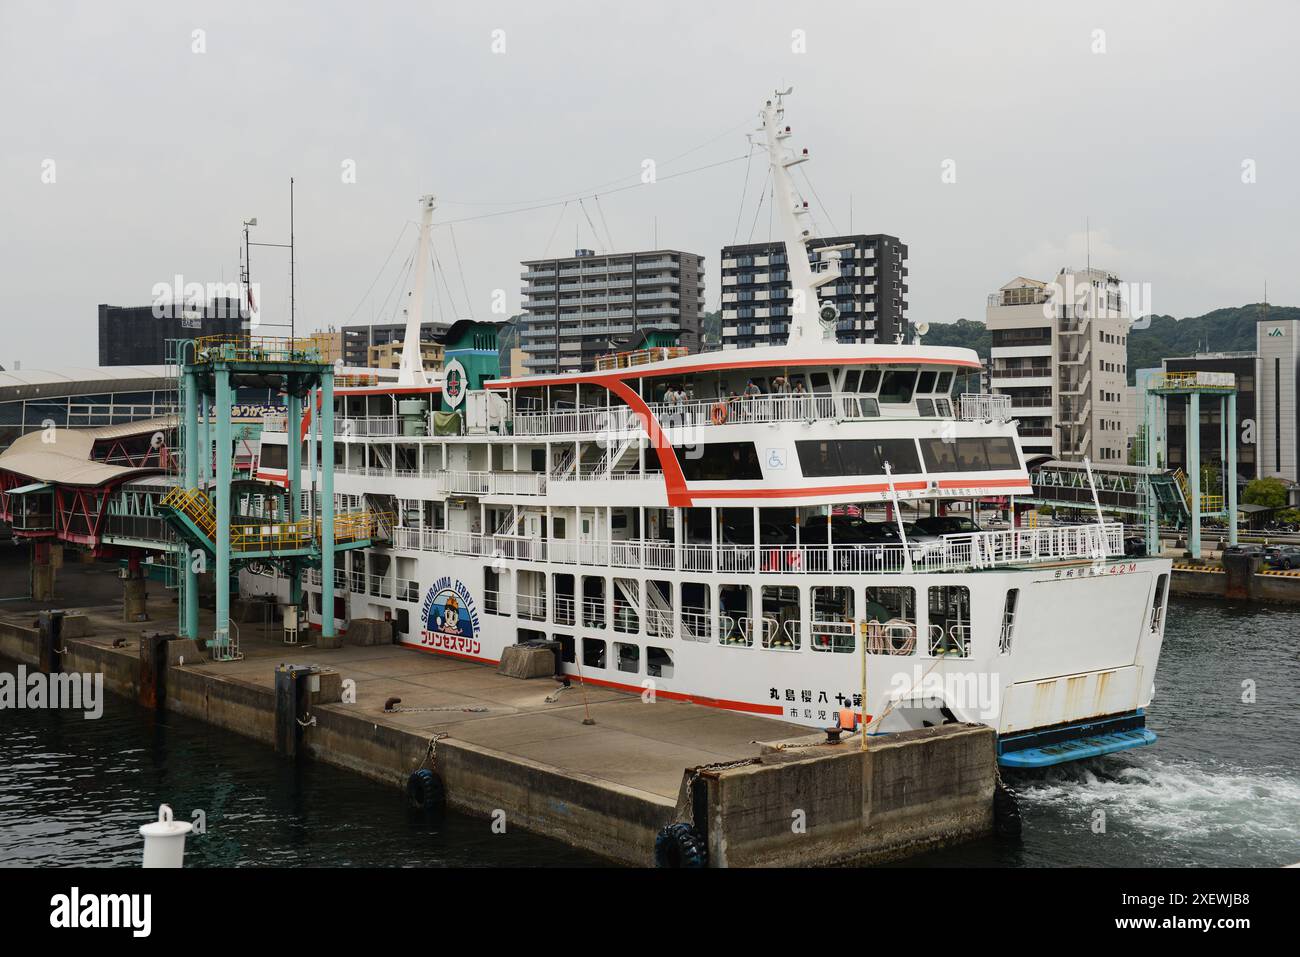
x,y
407,589
593,613
891,638
781,635
368,425
697,623
827,634
492,603
952,553
531,607
357,582
564,608
952,642
734,631
659,622
583,421
491,483
985,407
381,586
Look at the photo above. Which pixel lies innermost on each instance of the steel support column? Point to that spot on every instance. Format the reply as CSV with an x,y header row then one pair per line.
x,y
190,456
327,503
1194,470
1230,422
221,372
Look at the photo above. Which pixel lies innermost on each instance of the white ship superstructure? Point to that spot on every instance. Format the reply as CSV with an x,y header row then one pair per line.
x,y
728,529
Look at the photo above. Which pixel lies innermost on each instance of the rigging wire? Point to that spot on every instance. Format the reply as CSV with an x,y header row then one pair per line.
x,y
594,234
608,192
608,235
574,194
735,233
546,250
762,194
460,267
829,218
366,294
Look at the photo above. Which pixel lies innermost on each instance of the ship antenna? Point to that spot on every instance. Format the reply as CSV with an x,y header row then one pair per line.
x,y
411,369
797,232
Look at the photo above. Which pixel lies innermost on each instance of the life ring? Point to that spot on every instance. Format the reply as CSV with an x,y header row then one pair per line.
x,y
680,846
718,414
426,792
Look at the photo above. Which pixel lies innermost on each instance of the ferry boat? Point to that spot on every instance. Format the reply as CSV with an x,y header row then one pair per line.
x,y
772,530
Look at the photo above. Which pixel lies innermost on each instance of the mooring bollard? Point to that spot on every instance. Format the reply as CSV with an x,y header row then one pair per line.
x,y
153,669
164,840
292,698
49,639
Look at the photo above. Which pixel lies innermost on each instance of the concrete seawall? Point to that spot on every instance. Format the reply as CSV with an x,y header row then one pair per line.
x,y
608,787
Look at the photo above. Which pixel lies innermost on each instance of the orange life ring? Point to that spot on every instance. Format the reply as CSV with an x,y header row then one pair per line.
x,y
719,413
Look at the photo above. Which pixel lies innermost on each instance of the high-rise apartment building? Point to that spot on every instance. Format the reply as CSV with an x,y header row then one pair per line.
x,y
576,308
1060,350
871,295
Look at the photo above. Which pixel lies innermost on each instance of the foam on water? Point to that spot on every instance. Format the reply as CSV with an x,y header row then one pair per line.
x,y
1176,811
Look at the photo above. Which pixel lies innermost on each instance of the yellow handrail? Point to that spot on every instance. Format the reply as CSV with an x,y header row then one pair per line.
x,y
274,536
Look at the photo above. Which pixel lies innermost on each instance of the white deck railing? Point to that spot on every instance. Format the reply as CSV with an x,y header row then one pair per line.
x,y
953,553
985,407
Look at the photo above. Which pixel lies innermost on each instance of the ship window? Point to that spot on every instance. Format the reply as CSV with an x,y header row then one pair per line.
x,y
870,380
628,657
492,592
969,454
1158,603
658,662
538,460
720,462
734,611
950,621
780,623
945,383
925,407
275,456
832,619
890,613
898,385
626,618
697,622
557,525
566,647
821,382
851,378
926,382
593,653
659,608
820,459
562,584
1008,621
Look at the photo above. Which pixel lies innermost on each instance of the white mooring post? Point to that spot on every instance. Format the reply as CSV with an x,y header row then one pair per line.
x,y
164,840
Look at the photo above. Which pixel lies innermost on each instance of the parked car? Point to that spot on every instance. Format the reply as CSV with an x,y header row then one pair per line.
x,y
1282,556
1255,551
1135,546
934,527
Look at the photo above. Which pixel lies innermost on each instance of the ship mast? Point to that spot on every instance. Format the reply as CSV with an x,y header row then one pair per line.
x,y
411,369
809,321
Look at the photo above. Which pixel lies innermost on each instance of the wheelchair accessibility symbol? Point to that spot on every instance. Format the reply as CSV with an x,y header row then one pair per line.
x,y
776,459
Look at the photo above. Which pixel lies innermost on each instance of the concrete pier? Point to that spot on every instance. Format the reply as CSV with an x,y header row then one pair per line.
x,y
522,747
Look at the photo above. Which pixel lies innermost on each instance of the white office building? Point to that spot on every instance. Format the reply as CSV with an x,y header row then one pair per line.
x,y
1277,372
1059,349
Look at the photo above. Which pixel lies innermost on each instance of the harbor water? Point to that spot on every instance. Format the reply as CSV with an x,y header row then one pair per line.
x,y
1220,787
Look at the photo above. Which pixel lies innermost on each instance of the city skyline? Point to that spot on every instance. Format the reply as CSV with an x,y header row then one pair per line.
x,y
984,143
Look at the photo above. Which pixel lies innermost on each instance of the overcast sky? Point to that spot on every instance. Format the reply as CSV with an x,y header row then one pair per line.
x,y
159,151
